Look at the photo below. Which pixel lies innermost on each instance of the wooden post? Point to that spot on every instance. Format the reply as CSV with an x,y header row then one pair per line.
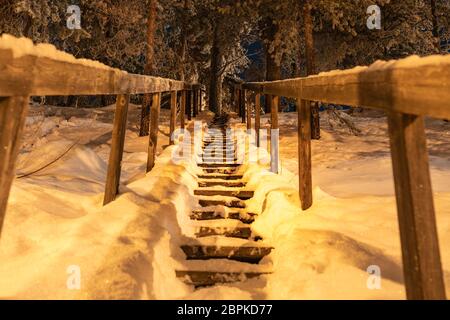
x,y
249,115
173,115
189,105
420,246
195,92
117,146
183,110
258,118
274,136
200,100
304,153
243,104
154,128
236,100
13,112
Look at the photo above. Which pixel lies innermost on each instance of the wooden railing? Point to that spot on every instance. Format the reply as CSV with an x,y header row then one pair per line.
x,y
44,71
407,90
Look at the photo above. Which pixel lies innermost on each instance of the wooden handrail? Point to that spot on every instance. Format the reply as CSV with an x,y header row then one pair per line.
x,y
419,86
407,90
42,70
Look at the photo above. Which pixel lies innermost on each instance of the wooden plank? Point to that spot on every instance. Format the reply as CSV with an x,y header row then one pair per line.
x,y
154,128
258,118
173,115
274,136
13,113
195,103
43,76
189,105
117,145
183,110
416,216
243,101
249,115
304,153
419,86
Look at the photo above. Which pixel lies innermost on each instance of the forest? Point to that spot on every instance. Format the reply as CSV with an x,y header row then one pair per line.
x,y
225,149
212,41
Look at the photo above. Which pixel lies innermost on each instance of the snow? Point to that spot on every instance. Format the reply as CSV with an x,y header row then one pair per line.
x,y
21,47
130,249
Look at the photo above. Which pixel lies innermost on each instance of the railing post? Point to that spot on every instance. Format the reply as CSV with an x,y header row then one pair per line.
x,y
274,136
13,112
195,103
200,100
418,233
183,110
154,128
249,115
189,105
258,118
236,100
173,115
117,146
243,104
304,153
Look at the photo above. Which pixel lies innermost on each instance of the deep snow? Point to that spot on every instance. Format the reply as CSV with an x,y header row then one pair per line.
x,y
130,248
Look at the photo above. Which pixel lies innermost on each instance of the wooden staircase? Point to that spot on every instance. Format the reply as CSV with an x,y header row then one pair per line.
x,y
224,249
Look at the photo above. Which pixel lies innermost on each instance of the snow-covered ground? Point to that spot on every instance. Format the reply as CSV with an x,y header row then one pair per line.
x,y
129,249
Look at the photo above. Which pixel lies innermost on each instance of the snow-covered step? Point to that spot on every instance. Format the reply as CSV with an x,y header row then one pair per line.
x,y
229,202
219,165
220,170
240,194
230,232
221,183
202,215
249,254
221,176
207,278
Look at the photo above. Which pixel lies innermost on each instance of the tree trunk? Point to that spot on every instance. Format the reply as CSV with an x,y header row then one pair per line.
x,y
311,64
215,86
183,47
149,65
435,24
273,69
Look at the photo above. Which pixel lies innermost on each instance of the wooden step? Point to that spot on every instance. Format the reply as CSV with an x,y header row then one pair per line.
x,y
225,183
221,176
235,232
207,279
222,171
243,254
200,215
241,194
226,203
219,165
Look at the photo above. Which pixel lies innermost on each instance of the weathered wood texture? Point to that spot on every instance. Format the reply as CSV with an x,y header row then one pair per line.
x,y
243,101
173,115
418,86
416,216
117,146
274,136
41,76
183,110
13,113
154,128
258,118
304,153
249,114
